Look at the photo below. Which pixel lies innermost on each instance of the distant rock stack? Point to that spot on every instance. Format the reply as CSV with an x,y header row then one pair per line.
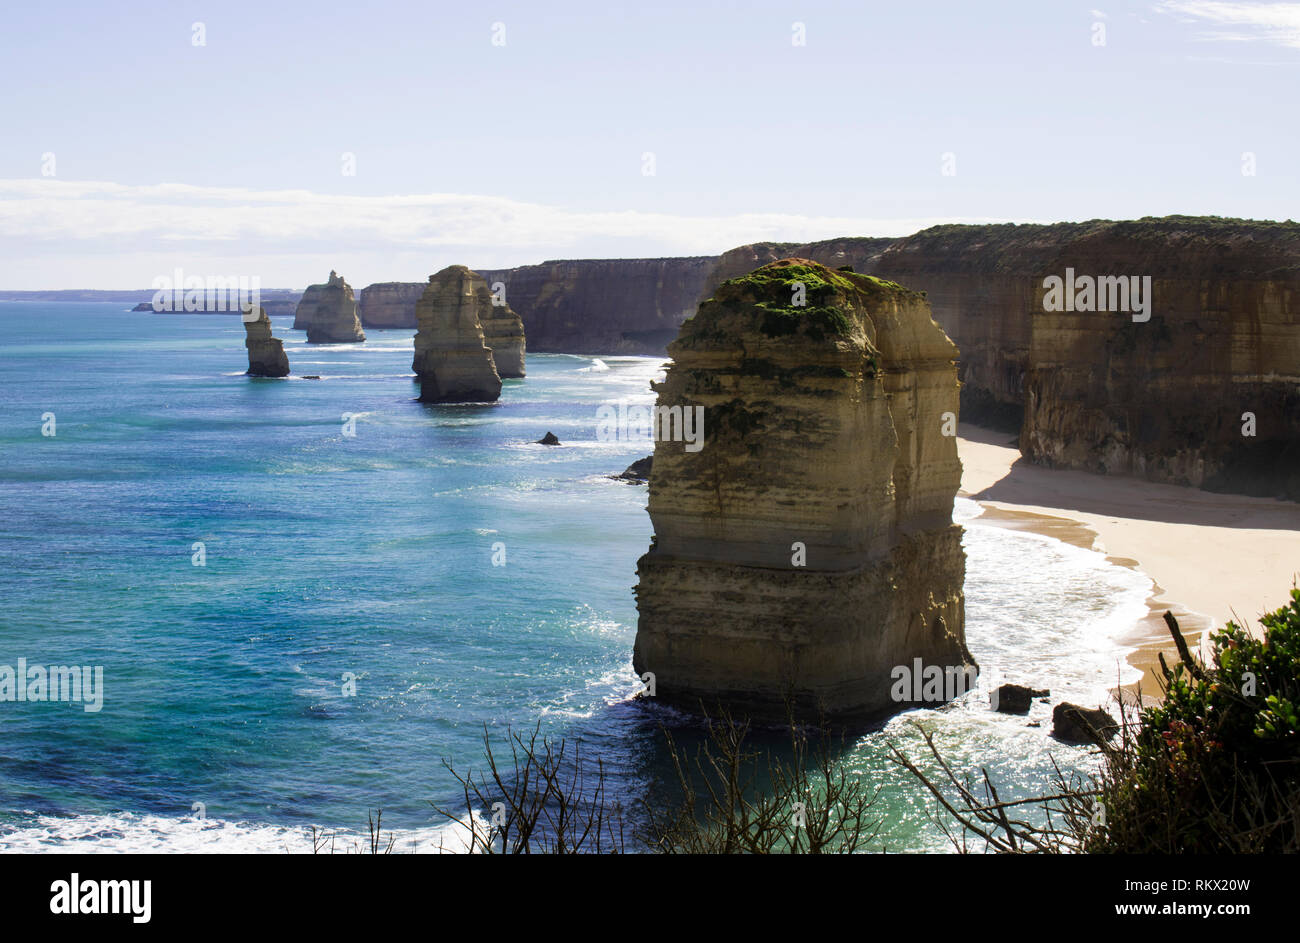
x,y
452,360
804,548
266,356
334,319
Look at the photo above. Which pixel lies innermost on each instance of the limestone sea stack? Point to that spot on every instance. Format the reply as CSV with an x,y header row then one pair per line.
x,y
452,361
266,356
804,548
503,331
334,320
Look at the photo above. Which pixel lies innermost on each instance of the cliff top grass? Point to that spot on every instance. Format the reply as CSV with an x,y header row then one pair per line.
x,y
827,293
1163,246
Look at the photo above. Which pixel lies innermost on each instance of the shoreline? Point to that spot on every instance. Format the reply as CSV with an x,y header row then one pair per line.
x,y
1210,557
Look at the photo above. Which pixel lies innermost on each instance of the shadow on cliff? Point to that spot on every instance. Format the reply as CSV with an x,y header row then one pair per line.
x,y
1118,496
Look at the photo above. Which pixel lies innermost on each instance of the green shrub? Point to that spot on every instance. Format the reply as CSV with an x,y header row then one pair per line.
x,y
1215,768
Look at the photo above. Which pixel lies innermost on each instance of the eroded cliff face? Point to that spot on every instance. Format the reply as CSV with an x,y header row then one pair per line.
x,y
387,305
807,549
1203,387
334,320
266,356
452,360
604,306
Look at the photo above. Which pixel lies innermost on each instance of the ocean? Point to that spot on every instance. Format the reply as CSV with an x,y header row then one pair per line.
x,y
308,596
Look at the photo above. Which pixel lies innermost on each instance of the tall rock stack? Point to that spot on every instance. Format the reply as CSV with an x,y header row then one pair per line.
x,y
452,360
266,356
503,332
306,310
334,320
807,550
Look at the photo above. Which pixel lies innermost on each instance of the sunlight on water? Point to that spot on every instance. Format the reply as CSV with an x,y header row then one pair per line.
x,y
330,556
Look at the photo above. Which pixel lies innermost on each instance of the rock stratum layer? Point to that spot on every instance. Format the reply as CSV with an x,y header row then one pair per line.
x,y
329,313
822,442
452,360
266,356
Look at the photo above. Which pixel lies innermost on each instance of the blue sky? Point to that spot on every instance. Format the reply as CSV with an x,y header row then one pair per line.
x,y
228,157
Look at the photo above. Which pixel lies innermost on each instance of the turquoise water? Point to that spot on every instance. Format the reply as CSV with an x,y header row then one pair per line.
x,y
369,557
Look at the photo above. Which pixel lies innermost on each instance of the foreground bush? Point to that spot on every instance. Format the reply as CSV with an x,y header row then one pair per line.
x,y
1216,767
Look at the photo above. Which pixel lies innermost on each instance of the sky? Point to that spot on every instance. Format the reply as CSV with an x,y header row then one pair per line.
x,y
386,140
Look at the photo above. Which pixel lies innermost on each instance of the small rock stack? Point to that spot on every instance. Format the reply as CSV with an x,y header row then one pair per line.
x,y
266,356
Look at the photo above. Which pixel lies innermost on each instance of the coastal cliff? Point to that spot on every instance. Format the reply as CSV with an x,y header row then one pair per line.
x,y
862,253
807,549
266,356
387,305
1203,387
1163,394
332,315
452,360
604,306
592,306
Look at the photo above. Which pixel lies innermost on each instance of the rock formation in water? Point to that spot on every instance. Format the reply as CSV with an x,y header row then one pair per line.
x,y
1171,399
638,473
266,356
452,360
330,314
804,544
306,309
593,306
503,331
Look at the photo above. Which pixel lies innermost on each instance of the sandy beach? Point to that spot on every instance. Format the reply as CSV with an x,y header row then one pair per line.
x,y
1213,557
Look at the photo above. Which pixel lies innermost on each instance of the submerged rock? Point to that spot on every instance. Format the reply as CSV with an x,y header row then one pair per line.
x,y
804,547
330,315
452,360
548,439
266,356
638,473
1075,724
1015,698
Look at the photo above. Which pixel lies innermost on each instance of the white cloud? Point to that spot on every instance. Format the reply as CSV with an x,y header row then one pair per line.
x,y
289,234
1277,23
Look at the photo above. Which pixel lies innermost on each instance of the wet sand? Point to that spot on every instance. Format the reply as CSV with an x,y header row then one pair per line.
x,y
1213,557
